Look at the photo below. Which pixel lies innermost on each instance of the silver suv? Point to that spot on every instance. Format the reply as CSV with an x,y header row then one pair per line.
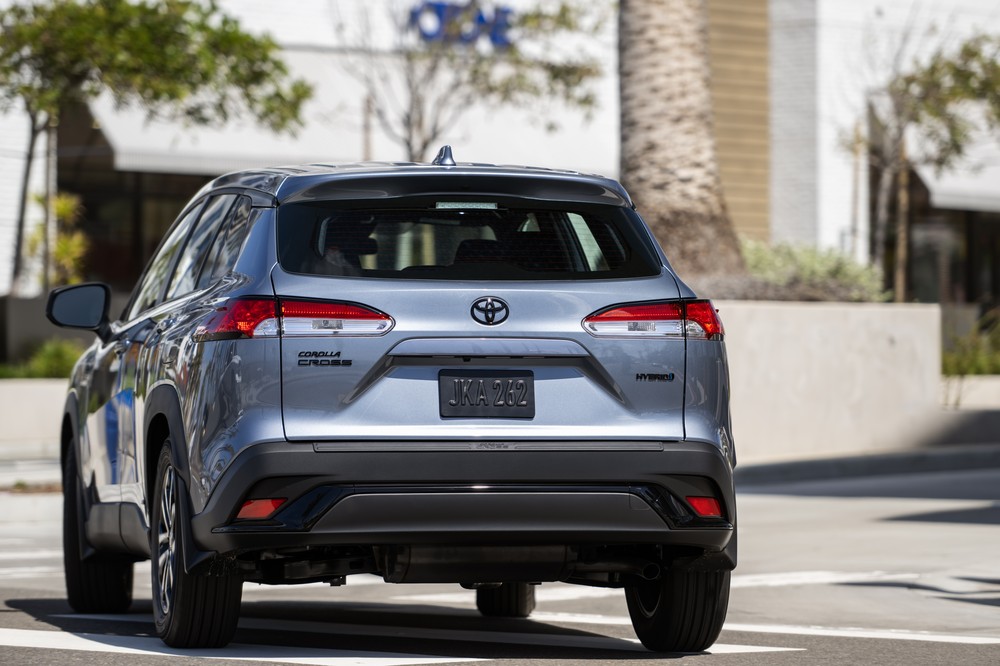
x,y
448,373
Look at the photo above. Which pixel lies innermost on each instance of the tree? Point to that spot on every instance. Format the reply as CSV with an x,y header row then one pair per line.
x,y
668,160
441,66
62,256
180,59
939,97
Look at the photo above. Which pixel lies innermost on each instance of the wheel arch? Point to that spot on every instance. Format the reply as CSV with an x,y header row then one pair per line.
x,y
163,419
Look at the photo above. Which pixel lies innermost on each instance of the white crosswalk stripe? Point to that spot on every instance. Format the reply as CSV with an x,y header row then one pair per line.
x,y
140,645
457,635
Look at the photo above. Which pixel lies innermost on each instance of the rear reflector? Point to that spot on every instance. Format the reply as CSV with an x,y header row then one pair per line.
x,y
324,318
259,509
670,319
705,507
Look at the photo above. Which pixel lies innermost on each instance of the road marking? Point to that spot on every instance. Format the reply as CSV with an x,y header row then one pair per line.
x,y
560,592
55,640
352,581
853,632
14,573
581,618
31,555
723,648
456,635
543,593
816,578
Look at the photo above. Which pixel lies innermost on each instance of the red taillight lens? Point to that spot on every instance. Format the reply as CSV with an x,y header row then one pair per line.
x,y
671,319
705,507
321,318
703,321
242,318
259,509
264,318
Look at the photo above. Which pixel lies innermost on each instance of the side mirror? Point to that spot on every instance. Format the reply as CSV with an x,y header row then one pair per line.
x,y
81,306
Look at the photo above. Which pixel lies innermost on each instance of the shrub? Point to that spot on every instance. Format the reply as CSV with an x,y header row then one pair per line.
x,y
54,358
977,353
797,273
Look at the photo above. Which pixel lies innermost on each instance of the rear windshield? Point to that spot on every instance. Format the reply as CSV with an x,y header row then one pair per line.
x,y
462,240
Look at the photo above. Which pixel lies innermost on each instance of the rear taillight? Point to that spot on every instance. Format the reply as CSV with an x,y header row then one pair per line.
x,y
323,318
670,319
266,318
241,318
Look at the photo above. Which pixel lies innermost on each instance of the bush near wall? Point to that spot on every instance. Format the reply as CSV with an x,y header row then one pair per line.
x,y
796,273
53,359
977,353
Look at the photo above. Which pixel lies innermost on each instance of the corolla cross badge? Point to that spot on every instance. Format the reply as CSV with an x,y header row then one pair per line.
x,y
490,311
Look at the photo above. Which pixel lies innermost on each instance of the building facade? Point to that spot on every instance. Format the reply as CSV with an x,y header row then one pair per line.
x,y
791,80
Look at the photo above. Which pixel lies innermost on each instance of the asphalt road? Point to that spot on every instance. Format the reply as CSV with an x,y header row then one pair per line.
x,y
880,570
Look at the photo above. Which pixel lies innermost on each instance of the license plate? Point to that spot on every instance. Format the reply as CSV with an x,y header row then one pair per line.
x,y
487,394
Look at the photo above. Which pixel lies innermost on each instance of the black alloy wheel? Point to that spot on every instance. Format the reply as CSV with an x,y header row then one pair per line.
x,y
189,611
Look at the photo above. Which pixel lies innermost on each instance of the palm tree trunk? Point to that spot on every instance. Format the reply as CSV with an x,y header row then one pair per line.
x,y
668,159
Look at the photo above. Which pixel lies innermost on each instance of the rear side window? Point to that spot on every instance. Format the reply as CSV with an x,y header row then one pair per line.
x,y
462,240
227,244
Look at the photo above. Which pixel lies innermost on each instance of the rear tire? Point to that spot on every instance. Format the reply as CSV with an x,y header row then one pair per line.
x,y
508,600
683,611
102,583
189,611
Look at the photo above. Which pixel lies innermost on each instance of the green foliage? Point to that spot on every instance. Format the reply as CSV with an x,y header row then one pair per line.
x,y
977,353
797,273
813,274
65,261
177,58
54,358
936,96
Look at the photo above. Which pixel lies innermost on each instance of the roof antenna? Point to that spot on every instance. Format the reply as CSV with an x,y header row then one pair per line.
x,y
444,157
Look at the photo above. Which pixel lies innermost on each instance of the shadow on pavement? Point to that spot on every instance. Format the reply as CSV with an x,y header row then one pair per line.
x,y
354,628
982,597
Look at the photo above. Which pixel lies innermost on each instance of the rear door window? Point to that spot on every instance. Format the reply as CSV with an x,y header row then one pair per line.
x,y
151,285
480,240
198,245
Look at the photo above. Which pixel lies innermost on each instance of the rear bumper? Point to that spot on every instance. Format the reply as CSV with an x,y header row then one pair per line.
x,y
422,493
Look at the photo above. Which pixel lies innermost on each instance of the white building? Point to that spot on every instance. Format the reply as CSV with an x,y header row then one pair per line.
x,y
790,82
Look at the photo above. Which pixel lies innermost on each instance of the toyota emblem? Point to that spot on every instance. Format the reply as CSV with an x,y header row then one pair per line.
x,y
490,311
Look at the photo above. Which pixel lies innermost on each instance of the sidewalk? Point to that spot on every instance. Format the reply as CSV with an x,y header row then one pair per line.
x,y
941,459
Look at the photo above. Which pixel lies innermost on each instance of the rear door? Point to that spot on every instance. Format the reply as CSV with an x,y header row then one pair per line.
x,y
457,320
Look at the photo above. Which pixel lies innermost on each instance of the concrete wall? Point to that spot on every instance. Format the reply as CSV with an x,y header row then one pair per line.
x,y
809,380
814,380
31,413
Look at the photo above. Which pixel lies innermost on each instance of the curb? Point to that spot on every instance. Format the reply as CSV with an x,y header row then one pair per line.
x,y
945,459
